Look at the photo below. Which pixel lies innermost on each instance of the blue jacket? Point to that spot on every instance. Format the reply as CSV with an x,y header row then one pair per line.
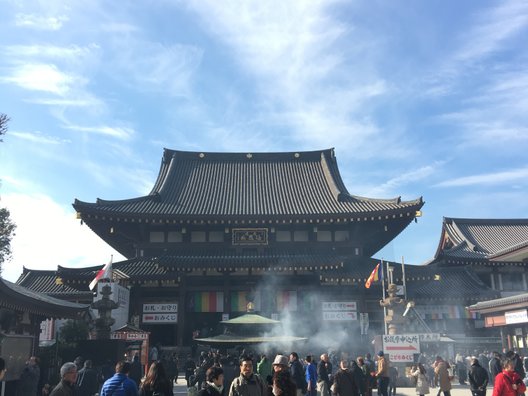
x,y
119,385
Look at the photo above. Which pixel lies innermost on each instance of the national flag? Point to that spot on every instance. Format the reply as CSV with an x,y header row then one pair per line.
x,y
104,273
374,276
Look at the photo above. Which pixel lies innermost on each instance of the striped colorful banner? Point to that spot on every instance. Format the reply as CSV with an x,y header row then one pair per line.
x,y
206,302
286,300
239,301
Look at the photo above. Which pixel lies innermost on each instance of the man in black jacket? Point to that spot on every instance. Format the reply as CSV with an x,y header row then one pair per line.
x,y
324,371
495,366
344,381
87,382
297,373
478,378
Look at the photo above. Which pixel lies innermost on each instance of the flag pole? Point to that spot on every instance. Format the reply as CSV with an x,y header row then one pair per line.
x,y
404,281
383,288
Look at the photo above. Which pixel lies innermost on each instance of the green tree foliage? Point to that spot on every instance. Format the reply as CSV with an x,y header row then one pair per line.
x,y
7,232
73,331
4,119
7,227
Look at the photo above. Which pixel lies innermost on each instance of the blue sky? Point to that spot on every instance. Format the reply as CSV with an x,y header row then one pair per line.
x,y
419,98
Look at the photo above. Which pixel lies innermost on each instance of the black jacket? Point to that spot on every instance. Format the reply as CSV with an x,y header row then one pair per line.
x,y
297,373
208,390
478,377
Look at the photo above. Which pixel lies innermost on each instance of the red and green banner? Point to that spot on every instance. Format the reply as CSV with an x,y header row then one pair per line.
x,y
206,302
239,301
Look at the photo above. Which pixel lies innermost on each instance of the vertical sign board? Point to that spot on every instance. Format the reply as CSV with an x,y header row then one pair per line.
x,y
401,347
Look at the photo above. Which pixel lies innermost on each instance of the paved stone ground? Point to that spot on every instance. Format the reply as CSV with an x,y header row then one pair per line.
x,y
458,390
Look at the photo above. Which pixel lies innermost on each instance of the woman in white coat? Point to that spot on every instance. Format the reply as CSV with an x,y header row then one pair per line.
x,y
421,381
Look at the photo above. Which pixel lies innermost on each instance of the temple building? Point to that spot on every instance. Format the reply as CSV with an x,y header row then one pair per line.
x,y
496,250
280,230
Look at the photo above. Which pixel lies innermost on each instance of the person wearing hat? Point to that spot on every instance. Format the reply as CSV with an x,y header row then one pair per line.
x,y
280,363
382,374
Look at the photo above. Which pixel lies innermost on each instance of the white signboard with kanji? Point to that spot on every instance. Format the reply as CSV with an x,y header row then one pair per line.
x,y
401,347
160,318
339,306
160,307
339,316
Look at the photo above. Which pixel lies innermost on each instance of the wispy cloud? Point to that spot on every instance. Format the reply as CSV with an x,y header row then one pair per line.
x,y
40,22
155,67
123,133
85,101
492,28
490,33
291,49
38,137
49,51
42,77
493,178
395,185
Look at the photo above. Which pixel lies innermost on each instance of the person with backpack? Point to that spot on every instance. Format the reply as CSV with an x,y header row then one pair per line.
x,y
508,383
120,384
156,382
248,383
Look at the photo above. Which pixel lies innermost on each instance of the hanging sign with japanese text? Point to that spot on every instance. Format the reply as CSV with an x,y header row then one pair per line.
x,y
401,347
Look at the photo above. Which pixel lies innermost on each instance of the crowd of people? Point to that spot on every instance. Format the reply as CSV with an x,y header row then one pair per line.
x,y
215,374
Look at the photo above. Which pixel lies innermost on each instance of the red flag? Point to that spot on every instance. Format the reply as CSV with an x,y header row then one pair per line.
x,y
104,273
374,276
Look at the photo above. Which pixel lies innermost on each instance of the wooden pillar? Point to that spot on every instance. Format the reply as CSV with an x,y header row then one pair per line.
x,y
181,311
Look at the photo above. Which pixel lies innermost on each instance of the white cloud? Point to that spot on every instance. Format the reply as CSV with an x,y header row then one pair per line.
x,y
492,31
493,178
123,133
492,28
85,101
40,22
41,77
38,137
71,52
48,235
304,78
155,67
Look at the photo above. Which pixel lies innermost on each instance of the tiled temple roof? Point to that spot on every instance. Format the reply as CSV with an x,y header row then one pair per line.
x,y
226,185
17,297
504,303
482,239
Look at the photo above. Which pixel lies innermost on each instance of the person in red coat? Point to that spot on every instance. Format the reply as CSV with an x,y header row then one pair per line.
x,y
508,383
